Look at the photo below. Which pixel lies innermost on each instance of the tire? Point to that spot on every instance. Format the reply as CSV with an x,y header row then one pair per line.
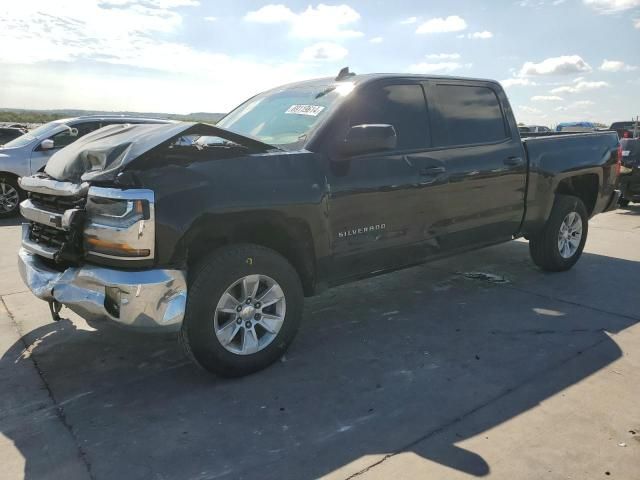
x,y
250,349
544,246
623,202
10,196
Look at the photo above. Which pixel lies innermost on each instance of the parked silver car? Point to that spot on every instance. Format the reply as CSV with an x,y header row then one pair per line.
x,y
29,153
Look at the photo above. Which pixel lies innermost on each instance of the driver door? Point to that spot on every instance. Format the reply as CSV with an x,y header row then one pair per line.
x,y
374,197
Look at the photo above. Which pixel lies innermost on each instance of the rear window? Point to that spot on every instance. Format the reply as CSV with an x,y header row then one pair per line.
x,y
465,115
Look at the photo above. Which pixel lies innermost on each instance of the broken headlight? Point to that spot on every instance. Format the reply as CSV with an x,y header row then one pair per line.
x,y
120,224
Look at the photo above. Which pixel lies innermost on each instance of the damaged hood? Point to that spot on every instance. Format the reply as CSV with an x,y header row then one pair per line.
x,y
101,155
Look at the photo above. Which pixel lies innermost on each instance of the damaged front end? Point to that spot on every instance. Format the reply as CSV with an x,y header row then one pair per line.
x,y
89,242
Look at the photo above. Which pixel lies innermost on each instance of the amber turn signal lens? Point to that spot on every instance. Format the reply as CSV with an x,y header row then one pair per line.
x,y
117,249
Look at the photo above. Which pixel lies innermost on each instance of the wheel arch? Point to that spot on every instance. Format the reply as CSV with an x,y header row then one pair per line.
x,y
290,237
585,186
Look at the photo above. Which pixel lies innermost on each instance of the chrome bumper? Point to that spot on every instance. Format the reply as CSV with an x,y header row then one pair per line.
x,y
146,299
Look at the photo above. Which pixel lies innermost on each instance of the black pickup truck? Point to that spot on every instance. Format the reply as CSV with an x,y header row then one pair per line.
x,y
220,231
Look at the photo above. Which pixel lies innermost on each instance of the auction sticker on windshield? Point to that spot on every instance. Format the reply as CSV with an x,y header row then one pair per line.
x,y
311,110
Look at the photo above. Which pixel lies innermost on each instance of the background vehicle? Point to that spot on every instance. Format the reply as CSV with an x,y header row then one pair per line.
x,y
29,153
576,127
533,129
630,172
631,129
309,185
9,133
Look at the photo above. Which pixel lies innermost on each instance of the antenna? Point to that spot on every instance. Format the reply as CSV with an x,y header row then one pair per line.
x,y
344,73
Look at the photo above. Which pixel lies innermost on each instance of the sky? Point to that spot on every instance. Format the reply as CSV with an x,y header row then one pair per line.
x,y
559,60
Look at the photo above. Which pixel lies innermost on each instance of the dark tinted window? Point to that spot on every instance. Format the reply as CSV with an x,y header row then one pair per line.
x,y
465,115
402,106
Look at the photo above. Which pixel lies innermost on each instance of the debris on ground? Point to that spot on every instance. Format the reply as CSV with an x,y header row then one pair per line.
x,y
487,277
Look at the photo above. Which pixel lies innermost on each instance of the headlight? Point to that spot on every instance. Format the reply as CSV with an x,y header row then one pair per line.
x,y
115,212
120,223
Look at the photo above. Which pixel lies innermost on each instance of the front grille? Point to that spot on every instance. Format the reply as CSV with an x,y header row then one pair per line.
x,y
56,204
48,236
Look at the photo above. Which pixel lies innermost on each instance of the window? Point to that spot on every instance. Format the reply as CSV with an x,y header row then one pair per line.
x,y
287,116
465,115
402,106
65,138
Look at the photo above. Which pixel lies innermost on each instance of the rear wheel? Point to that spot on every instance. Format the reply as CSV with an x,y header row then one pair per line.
x,y
10,196
244,307
558,246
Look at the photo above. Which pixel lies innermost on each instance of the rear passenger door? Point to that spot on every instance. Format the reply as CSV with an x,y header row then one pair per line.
x,y
374,197
480,163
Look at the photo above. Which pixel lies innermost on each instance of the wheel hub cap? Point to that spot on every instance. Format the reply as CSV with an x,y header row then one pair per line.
x,y
247,312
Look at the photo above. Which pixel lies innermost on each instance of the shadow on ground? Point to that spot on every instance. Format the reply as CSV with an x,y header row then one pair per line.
x,y
380,366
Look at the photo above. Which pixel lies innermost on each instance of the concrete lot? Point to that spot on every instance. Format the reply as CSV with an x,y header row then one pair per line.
x,y
419,374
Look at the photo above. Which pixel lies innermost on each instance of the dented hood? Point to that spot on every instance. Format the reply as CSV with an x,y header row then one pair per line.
x,y
101,155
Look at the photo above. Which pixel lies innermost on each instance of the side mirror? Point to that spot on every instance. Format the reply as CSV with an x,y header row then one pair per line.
x,y
47,144
369,138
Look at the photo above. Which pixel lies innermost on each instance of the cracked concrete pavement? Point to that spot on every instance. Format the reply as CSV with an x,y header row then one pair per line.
x,y
423,373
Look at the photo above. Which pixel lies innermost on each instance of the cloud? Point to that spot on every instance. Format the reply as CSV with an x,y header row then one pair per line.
x,y
636,23
580,105
579,87
324,51
409,21
112,31
546,98
126,41
611,6
376,40
210,19
323,21
564,65
540,3
452,23
438,67
616,66
519,82
443,56
480,35
531,110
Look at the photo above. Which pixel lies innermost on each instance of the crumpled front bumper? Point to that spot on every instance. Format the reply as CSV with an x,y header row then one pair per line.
x,y
145,299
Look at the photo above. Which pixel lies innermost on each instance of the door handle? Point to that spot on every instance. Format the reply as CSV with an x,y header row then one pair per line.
x,y
430,171
513,161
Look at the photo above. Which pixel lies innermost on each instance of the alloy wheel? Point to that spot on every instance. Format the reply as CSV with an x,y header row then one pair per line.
x,y
249,314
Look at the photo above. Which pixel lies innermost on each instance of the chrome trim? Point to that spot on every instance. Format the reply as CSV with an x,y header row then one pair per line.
x,y
118,194
148,299
48,186
39,215
36,248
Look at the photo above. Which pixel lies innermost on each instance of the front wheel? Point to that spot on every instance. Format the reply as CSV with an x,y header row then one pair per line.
x,y
244,308
558,246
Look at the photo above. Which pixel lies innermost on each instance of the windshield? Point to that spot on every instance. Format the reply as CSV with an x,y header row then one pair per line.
x,y
42,132
285,117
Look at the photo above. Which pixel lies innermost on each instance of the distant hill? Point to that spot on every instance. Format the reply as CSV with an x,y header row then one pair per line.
x,y
18,115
